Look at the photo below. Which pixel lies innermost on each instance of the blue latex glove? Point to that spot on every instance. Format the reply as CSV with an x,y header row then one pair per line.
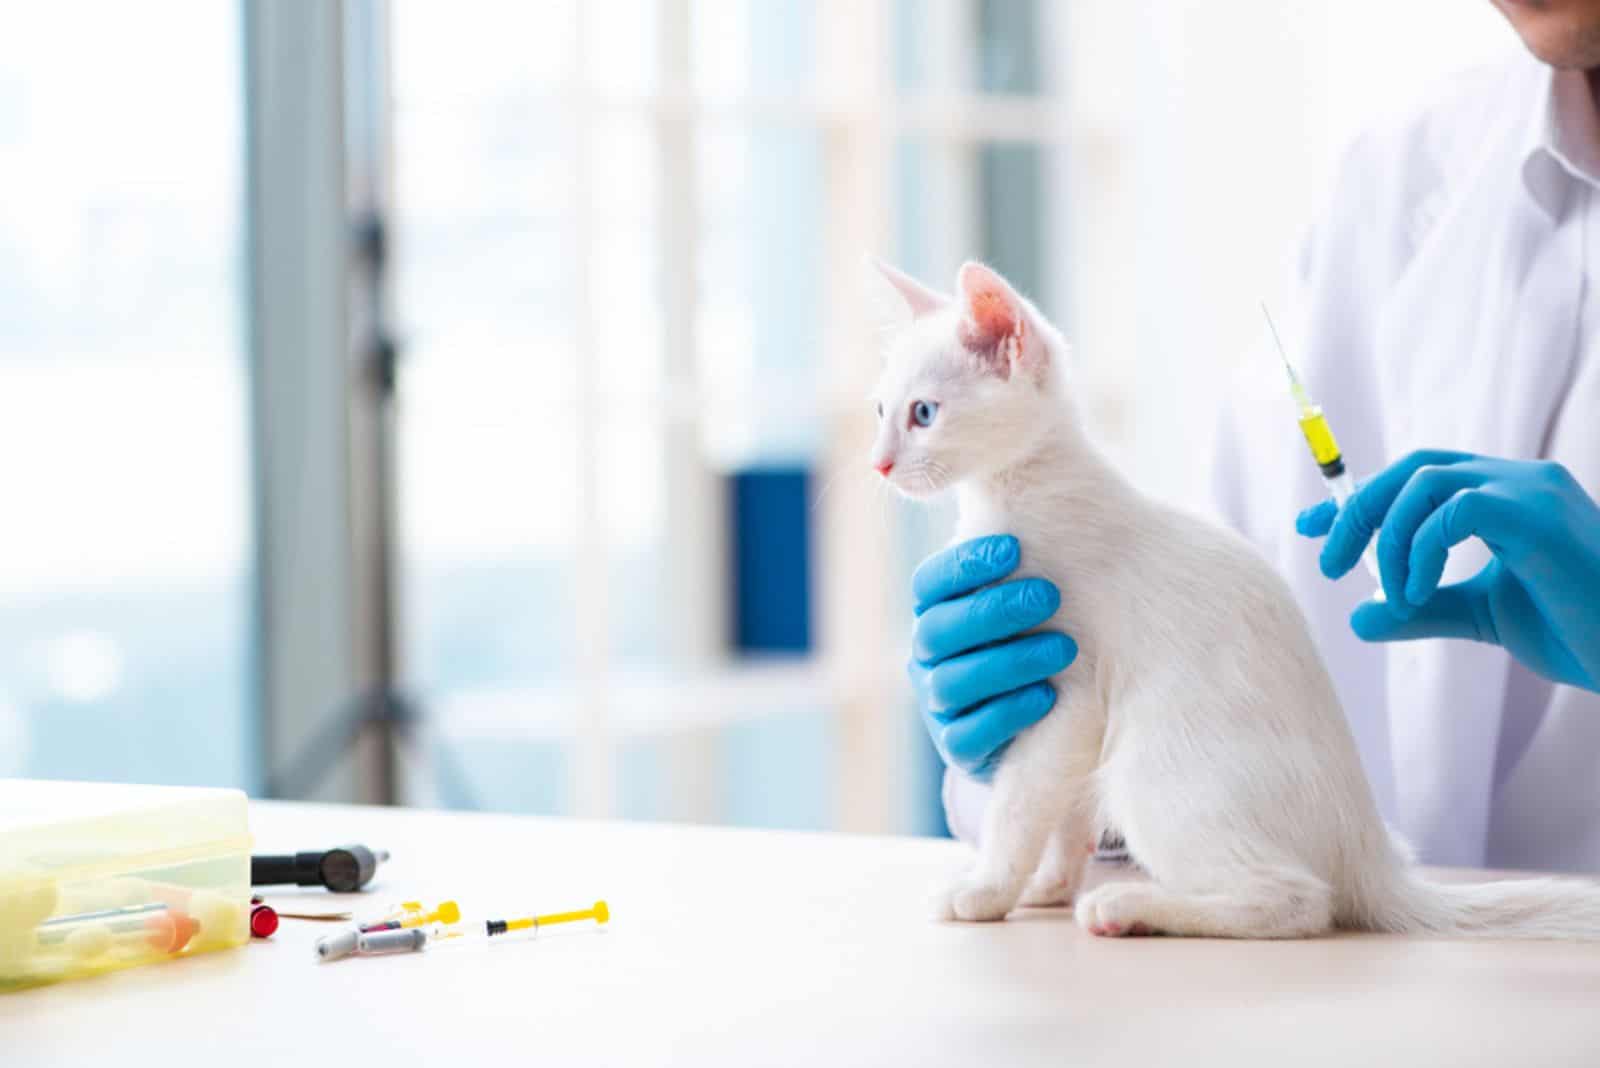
x,y
978,683
1539,597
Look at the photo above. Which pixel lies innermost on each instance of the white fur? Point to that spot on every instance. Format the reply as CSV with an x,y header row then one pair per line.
x,y
1198,719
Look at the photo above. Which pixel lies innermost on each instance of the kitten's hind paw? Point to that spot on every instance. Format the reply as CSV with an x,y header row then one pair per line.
x,y
972,900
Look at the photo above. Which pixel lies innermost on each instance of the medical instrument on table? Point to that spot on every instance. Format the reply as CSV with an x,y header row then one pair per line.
x,y
373,943
1324,448
377,943
318,917
398,911
414,914
599,913
124,933
341,870
389,938
392,916
338,946
100,876
406,916
91,934
263,921
123,913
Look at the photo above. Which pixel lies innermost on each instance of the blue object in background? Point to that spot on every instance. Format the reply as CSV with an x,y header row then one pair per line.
x,y
770,518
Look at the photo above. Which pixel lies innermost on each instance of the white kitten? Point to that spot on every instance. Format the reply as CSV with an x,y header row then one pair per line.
x,y
1197,719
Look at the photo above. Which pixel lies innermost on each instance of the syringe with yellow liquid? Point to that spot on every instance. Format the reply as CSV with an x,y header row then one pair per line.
x,y
1324,448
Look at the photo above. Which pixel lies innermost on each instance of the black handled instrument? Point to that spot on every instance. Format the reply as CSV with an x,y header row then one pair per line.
x,y
341,870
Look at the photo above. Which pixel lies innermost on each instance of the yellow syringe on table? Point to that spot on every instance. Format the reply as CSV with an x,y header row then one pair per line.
x,y
600,913
412,926
1324,447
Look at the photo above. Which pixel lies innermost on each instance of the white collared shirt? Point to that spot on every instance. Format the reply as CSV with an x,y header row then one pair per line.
x,y
1447,298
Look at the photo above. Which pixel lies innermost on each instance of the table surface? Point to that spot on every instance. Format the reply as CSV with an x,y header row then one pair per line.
x,y
757,947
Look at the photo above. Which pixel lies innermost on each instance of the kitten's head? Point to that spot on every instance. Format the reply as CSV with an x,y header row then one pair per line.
x,y
967,386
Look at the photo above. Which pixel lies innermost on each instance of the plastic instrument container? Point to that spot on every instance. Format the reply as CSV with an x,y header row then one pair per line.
x,y
96,877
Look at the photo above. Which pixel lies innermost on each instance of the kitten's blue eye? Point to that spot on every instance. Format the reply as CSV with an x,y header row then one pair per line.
x,y
922,412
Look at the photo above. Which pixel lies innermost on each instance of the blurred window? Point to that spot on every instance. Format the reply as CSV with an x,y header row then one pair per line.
x,y
125,575
628,289
613,261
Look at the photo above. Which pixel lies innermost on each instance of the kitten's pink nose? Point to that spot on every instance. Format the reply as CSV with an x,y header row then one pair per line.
x,y
884,467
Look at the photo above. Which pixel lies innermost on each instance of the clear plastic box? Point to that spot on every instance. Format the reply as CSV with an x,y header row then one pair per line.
x,y
96,877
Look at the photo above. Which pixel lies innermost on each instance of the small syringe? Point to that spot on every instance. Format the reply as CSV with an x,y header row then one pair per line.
x,y
600,913
404,918
412,928
1324,448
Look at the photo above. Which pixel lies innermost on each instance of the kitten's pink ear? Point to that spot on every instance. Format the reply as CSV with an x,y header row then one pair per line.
x,y
995,325
918,297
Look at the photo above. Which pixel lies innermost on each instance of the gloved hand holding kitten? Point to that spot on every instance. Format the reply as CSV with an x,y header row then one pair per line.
x,y
979,684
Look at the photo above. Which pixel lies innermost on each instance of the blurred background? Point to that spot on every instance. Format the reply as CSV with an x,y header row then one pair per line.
x,y
463,403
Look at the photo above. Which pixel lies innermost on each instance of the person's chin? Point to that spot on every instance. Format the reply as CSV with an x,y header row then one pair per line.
x,y
1555,33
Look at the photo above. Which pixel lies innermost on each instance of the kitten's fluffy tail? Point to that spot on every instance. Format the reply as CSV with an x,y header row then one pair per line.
x,y
1543,908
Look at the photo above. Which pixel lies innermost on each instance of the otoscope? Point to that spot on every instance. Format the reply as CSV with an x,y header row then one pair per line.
x,y
343,870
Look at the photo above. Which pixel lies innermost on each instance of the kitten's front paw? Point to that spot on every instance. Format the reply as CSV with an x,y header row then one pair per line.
x,y
1116,909
974,901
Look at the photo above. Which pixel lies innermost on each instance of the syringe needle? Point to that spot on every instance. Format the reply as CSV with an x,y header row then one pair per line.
x,y
1295,388
1276,340
1324,449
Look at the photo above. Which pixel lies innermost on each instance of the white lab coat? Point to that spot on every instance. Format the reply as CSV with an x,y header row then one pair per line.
x,y
1447,298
